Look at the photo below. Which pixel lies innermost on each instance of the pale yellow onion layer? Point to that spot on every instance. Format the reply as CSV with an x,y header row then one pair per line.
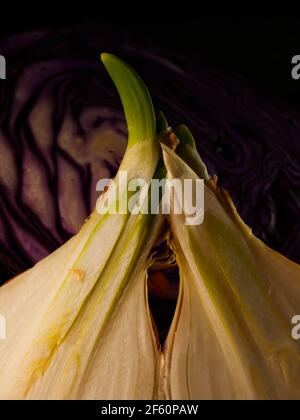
x,y
232,335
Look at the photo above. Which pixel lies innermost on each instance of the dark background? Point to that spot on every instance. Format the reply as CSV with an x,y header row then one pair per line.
x,y
259,47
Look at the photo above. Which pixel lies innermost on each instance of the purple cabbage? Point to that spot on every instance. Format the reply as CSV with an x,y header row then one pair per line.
x,y
62,129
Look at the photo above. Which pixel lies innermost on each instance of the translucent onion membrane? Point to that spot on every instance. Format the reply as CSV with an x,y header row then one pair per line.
x,y
62,128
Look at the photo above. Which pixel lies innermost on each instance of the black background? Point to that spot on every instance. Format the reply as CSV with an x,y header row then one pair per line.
x,y
259,47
